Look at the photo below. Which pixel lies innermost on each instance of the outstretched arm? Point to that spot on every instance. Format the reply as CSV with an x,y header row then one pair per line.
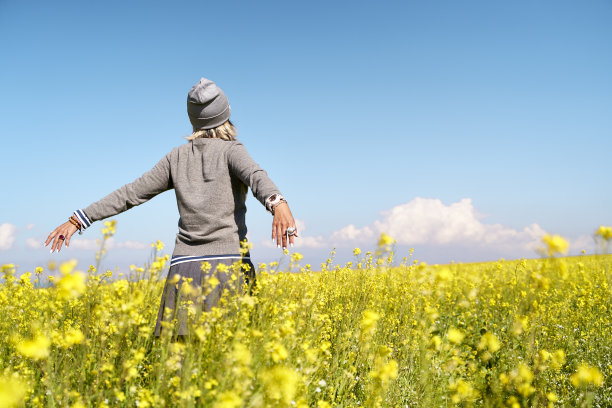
x,y
147,186
155,181
244,167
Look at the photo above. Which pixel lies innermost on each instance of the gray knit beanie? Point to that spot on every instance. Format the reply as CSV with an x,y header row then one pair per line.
x,y
207,105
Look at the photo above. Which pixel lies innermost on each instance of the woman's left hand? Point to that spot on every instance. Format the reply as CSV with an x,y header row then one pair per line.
x,y
66,230
283,219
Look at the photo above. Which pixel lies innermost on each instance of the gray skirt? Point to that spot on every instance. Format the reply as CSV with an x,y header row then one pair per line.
x,y
204,302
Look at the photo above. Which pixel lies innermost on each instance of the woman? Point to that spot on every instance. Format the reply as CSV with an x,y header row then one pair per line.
x,y
210,176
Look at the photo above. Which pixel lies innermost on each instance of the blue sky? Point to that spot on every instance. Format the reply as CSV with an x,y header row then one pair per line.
x,y
468,129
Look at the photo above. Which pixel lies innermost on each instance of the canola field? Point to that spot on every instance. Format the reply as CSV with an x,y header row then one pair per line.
x,y
376,332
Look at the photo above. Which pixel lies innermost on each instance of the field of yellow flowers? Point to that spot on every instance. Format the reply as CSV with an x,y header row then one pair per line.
x,y
371,333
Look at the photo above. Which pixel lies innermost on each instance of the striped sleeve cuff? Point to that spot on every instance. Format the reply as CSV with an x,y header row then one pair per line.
x,y
82,217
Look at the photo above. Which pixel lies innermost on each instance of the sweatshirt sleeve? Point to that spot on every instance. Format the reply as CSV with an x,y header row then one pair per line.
x,y
147,186
242,166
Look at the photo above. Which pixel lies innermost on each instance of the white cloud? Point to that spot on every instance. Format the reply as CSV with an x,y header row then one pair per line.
x,y
34,243
302,241
83,244
306,241
427,221
88,244
29,226
354,234
583,242
133,245
310,242
94,244
8,233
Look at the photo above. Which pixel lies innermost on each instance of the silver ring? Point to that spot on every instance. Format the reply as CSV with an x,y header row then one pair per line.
x,y
290,231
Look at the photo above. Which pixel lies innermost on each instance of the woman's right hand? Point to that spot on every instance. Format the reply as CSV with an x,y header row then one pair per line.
x,y
66,229
283,219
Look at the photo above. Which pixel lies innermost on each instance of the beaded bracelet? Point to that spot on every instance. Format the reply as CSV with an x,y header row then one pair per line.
x,y
76,224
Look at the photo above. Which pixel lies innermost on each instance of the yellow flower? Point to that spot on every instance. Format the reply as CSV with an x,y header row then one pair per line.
x,y
110,229
544,355
385,240
463,391
604,232
525,374
555,244
187,289
158,245
280,383
210,384
586,375
228,399
277,351
436,341
159,263
387,371
245,247
356,251
241,354
444,275
455,336
368,321
12,391
7,267
504,379
68,266
558,359
73,336
119,395
489,342
71,285
36,348
520,325
213,281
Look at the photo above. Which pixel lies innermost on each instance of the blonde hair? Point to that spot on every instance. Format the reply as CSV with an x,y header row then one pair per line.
x,y
225,131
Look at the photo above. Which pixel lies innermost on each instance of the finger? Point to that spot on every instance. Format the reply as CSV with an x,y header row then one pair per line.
x,y
285,236
50,237
291,239
60,242
57,243
279,235
54,242
295,234
273,231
